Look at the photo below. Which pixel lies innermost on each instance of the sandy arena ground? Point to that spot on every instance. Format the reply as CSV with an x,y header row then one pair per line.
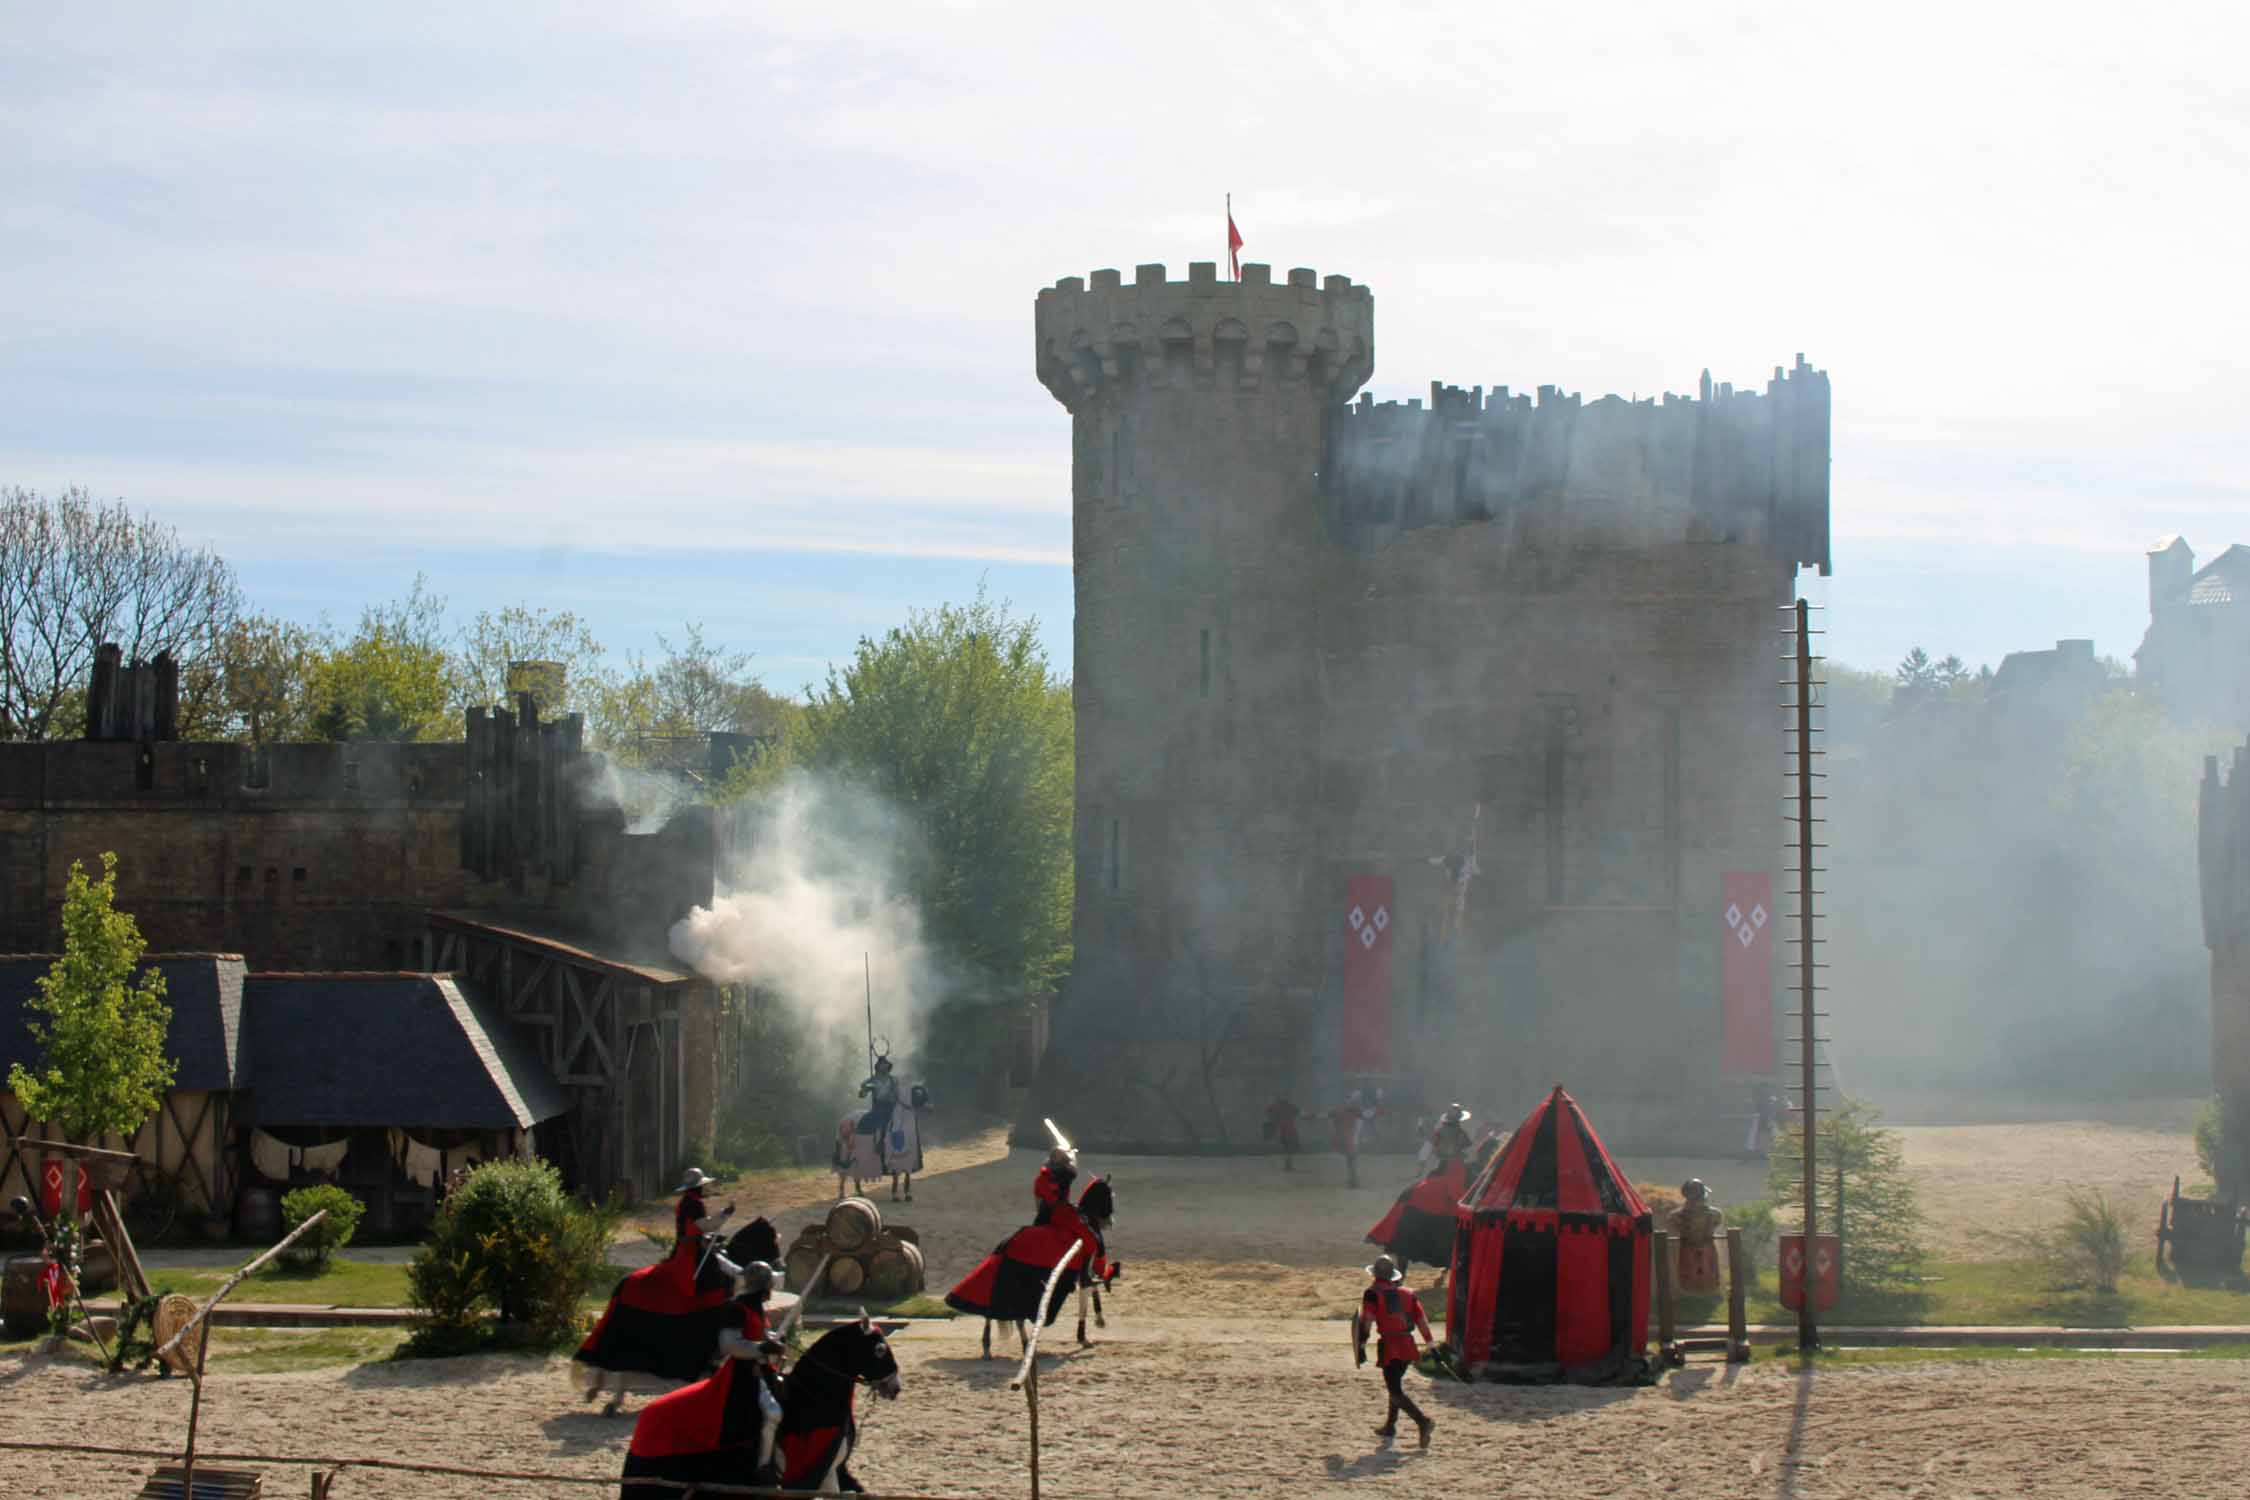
x,y
1224,1373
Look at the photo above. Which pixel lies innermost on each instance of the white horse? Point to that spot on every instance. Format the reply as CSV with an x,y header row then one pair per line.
x,y
895,1153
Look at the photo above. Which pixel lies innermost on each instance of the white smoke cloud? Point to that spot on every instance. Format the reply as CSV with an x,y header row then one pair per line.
x,y
814,908
648,799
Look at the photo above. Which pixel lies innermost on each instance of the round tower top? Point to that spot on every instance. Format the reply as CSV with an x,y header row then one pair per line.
x,y
1097,333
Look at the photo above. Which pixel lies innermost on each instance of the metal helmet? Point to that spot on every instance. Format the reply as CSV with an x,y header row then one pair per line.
x,y
755,1281
1695,1190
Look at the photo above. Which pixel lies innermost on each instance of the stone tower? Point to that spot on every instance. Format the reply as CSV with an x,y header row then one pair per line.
x,y
1319,643
1199,412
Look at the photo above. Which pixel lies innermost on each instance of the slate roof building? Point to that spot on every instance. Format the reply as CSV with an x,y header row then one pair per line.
x,y
381,1082
2196,654
186,1140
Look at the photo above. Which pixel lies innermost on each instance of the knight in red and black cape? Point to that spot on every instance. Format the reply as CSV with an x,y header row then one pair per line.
x,y
1419,1226
663,1320
1007,1284
723,1429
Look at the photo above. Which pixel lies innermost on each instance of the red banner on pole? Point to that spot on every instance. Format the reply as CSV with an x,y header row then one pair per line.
x,y
1819,1270
1746,971
1368,921
51,1176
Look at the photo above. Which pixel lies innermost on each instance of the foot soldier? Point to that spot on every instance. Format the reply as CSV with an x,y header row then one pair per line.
x,y
1394,1314
1281,1128
1347,1124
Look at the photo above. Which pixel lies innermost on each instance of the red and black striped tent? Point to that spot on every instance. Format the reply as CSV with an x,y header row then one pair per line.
x,y
1550,1275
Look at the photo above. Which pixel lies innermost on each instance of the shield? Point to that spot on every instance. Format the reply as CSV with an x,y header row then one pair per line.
x,y
1820,1269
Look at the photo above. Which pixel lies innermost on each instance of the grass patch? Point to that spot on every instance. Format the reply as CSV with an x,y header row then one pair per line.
x,y
1965,1293
920,1305
274,1351
1960,1293
1842,1358
344,1282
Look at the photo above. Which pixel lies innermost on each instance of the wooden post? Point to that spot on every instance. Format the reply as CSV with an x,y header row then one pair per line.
x,y
1667,1312
1031,1394
1738,1297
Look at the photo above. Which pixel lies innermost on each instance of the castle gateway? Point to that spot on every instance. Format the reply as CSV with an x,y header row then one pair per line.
x,y
1431,745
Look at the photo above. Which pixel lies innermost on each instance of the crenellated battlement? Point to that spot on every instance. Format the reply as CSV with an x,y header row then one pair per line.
x,y
1098,334
1724,464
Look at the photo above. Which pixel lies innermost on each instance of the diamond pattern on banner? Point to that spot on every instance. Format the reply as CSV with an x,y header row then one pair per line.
x,y
1757,916
1734,915
1367,936
1745,935
1382,918
1358,919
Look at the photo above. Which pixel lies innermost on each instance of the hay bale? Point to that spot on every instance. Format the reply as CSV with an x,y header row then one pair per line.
x,y
846,1276
895,1272
854,1224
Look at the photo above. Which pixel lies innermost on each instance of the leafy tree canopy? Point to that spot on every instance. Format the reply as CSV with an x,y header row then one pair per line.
x,y
103,1067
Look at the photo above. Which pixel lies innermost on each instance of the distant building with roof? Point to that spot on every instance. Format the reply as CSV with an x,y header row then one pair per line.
x,y
2047,689
2196,654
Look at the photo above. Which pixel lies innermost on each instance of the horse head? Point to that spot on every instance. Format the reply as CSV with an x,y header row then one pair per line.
x,y
1098,1204
756,1240
848,1353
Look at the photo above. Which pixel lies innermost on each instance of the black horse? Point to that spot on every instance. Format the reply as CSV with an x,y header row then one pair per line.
x,y
649,1329
711,1431
1007,1286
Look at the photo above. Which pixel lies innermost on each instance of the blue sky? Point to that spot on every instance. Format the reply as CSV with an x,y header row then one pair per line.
x,y
722,312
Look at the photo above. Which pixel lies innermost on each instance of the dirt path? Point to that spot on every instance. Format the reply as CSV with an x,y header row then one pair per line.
x,y
1240,1236
1222,1407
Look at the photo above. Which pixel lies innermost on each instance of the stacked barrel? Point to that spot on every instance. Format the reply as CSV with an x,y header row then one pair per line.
x,y
864,1259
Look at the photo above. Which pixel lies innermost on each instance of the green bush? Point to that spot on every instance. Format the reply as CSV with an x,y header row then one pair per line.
x,y
2087,1250
1759,1230
2208,1135
510,1240
315,1250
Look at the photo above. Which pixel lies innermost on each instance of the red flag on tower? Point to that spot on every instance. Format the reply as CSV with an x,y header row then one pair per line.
x,y
1234,243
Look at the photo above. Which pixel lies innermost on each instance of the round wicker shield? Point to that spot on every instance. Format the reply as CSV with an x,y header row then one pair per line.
x,y
172,1315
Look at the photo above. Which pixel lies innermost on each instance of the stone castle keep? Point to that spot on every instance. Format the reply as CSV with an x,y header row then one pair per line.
x,y
1530,637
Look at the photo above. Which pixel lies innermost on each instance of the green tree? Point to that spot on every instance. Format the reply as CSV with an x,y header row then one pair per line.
x,y
265,671
956,719
690,690
76,572
1881,1218
103,1068
524,632
393,679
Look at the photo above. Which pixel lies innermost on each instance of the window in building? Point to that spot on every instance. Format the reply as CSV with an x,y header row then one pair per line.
x,y
298,874
257,773
351,774
242,876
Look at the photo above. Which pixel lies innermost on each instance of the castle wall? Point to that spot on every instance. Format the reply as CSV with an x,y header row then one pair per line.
x,y
296,856
1313,640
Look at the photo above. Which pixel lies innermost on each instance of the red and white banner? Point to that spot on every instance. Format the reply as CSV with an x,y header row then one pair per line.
x,y
1746,971
1821,1270
51,1188
1368,922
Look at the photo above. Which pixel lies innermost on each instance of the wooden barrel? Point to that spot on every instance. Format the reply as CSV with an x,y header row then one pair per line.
x,y
171,1316
257,1215
803,1261
23,1301
895,1272
854,1223
846,1277
910,1236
